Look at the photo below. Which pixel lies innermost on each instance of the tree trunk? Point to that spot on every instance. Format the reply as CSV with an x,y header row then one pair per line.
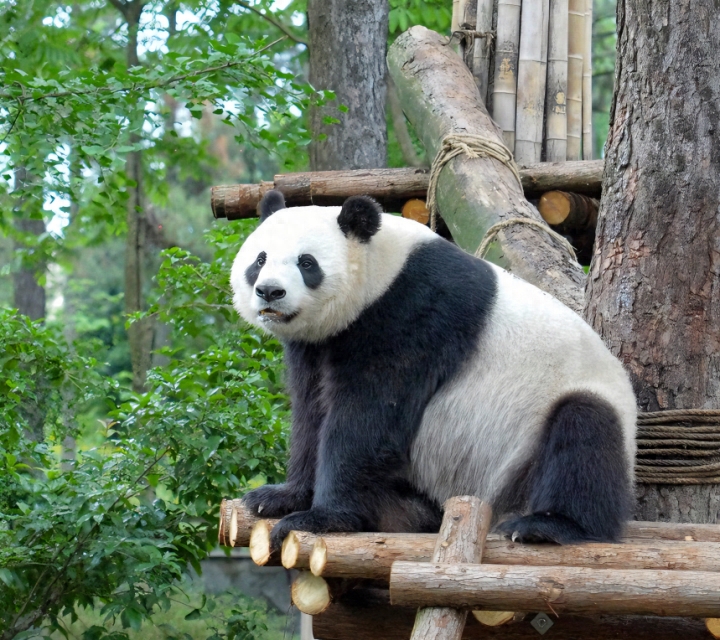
x,y
348,41
140,333
28,293
653,288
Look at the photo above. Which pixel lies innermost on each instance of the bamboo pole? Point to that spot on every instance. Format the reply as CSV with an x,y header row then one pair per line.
x,y
465,525
587,144
532,73
556,590
576,53
505,69
482,47
556,93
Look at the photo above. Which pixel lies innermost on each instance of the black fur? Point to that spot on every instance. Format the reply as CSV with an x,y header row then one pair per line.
x,y
253,271
359,397
311,272
579,488
271,202
360,217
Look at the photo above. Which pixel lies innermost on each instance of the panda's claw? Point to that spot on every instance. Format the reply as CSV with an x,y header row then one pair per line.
x,y
515,536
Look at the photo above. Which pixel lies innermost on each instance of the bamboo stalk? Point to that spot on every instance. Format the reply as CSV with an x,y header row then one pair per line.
x,y
587,144
482,48
576,53
505,69
532,70
557,73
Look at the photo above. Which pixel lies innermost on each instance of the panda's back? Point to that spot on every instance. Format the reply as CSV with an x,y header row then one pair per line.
x,y
531,352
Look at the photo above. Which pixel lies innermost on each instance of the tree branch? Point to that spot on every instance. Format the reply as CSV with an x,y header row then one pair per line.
x,y
145,87
272,21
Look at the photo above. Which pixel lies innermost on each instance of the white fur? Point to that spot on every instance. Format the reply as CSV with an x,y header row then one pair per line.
x,y
356,274
479,431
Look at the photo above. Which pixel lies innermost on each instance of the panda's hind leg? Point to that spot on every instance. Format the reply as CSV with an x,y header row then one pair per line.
x,y
579,488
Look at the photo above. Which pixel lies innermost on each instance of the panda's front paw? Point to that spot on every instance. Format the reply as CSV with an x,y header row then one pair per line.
x,y
314,521
276,501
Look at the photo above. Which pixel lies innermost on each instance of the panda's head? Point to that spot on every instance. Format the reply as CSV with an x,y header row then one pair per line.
x,y
306,273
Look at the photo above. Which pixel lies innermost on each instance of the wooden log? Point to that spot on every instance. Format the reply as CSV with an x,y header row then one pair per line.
x,y
416,209
371,556
465,525
556,590
393,186
571,212
532,72
312,595
366,614
241,524
260,544
556,90
296,550
505,69
576,51
475,193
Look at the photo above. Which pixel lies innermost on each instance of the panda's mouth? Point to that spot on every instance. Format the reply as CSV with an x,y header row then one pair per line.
x,y
273,315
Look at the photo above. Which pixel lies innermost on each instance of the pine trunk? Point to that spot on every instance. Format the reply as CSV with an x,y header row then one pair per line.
x,y
348,41
653,286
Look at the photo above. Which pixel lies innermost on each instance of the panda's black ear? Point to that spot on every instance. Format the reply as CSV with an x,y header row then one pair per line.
x,y
360,217
271,202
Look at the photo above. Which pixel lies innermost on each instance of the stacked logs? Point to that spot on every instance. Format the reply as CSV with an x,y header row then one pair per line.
x,y
660,569
537,79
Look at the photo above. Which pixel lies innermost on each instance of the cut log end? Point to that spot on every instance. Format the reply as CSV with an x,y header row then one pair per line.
x,y
290,551
233,528
554,206
260,543
713,626
415,209
318,557
493,618
310,594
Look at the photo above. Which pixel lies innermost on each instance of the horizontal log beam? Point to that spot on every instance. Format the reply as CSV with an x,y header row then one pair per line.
x,y
391,187
556,590
370,556
366,614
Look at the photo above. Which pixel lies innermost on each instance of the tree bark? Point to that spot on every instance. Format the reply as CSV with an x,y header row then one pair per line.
x,y
653,292
348,41
576,590
440,97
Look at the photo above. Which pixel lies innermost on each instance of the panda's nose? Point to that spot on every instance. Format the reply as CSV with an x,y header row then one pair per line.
x,y
269,292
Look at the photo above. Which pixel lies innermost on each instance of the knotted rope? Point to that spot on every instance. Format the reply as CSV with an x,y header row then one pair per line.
x,y
678,447
473,146
499,226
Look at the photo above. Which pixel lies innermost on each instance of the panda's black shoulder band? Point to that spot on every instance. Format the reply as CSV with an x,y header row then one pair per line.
x,y
360,217
271,202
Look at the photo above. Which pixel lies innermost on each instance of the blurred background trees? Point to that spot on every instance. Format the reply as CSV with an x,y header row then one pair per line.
x,y
129,385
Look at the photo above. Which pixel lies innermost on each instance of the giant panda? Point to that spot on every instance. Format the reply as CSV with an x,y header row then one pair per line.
x,y
418,372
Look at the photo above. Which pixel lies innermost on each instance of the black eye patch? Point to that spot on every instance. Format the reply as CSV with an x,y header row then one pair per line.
x,y
253,271
310,270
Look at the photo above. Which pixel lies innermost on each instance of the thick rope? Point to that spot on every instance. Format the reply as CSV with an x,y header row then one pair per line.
x,y
680,446
499,226
473,146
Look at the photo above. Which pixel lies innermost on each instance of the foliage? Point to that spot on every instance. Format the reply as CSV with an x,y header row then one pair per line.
x,y
120,523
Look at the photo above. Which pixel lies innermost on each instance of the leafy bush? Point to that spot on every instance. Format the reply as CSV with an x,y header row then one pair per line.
x,y
120,522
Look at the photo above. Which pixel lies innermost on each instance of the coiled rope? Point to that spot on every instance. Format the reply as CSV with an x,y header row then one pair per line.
x,y
678,447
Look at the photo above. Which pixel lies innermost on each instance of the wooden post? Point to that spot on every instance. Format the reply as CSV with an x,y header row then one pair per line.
x,y
465,525
474,194
532,73
482,47
556,92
